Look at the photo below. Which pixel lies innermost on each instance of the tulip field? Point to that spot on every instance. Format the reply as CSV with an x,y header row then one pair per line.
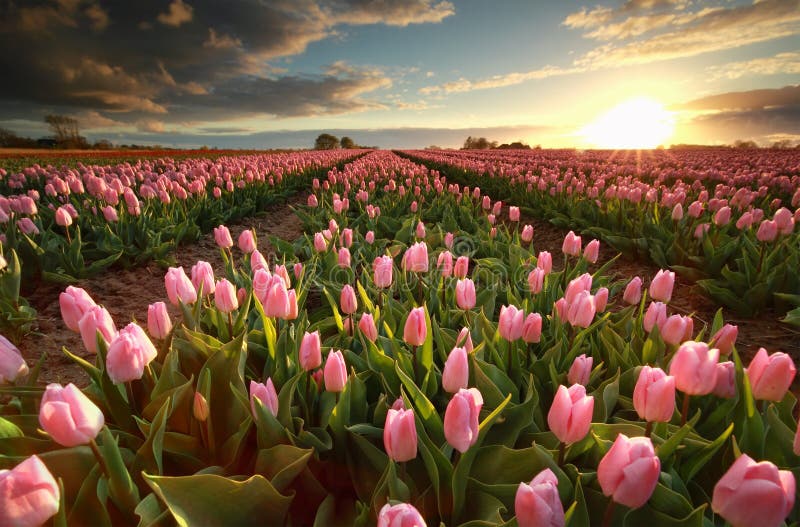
x,y
418,356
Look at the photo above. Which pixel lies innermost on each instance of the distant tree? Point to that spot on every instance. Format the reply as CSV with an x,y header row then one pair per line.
x,y
782,144
478,143
745,144
516,145
346,142
326,142
103,144
9,139
65,131
433,147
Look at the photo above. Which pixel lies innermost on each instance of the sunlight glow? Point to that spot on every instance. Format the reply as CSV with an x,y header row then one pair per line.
x,y
636,123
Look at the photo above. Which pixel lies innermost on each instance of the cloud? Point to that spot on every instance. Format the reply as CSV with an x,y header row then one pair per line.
x,y
178,13
782,63
497,81
151,126
747,100
213,62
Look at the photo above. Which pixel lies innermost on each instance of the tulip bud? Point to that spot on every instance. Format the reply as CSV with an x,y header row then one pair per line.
x,y
677,212
461,419
320,244
68,416
513,213
203,275
461,268
62,217
12,365
445,263
370,237
770,375
571,245
655,315
676,329
465,294
510,323
654,395
464,339
200,407
581,370
455,375
310,355
74,303
532,328
601,299
158,322
223,237
347,300
29,494
400,435
415,258
633,291
383,268
266,394
592,251
448,240
247,241
767,231
335,372
94,320
402,515
225,296
527,234
725,386
277,300
629,471
725,339
694,367
570,415
751,493
536,280
539,504
582,310
415,331
544,261
420,232
179,287
662,285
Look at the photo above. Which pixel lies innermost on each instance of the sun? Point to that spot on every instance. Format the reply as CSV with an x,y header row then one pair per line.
x,y
637,124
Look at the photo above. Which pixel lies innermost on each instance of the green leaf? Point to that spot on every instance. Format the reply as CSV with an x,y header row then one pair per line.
x,y
210,500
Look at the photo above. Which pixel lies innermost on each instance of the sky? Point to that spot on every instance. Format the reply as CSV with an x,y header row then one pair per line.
x,y
403,73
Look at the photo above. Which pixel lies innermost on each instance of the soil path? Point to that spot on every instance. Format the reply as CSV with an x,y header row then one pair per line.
x,y
126,293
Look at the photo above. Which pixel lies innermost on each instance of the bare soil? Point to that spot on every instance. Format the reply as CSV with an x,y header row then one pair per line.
x,y
126,293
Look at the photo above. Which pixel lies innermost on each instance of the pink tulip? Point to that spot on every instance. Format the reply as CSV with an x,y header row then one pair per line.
x,y
27,226
676,329
654,395
695,209
277,304
455,375
767,231
461,419
770,375
582,310
536,280
12,365
367,326
335,372
633,291
445,263
725,386
723,216
513,213
629,471
581,370
68,416
347,300
179,287
465,294
655,315
62,217
225,296
257,261
571,245
415,331
538,504
401,515
510,323
544,261
491,219
420,231
266,394
662,285
527,234
247,241
400,435
751,493
203,275
94,320
497,208
347,237
74,303
200,410
486,204
223,237
129,353
415,258
561,308
448,240
29,494
320,243
158,323
312,201
694,367
461,268
592,251
601,299
725,339
464,339
576,286
110,214
532,328
382,268
570,415
344,257
677,212
310,355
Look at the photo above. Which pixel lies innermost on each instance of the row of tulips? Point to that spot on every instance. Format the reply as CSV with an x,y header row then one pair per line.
x,y
418,365
68,223
722,219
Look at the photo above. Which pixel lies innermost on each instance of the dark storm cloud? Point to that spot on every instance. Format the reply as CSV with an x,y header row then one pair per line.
x,y
187,60
753,99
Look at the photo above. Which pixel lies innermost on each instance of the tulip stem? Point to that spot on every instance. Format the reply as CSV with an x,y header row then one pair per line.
x,y
562,447
131,398
230,325
69,239
685,410
98,456
403,471
414,360
648,429
609,514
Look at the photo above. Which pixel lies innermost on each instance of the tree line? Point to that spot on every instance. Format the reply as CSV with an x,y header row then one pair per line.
x,y
331,142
